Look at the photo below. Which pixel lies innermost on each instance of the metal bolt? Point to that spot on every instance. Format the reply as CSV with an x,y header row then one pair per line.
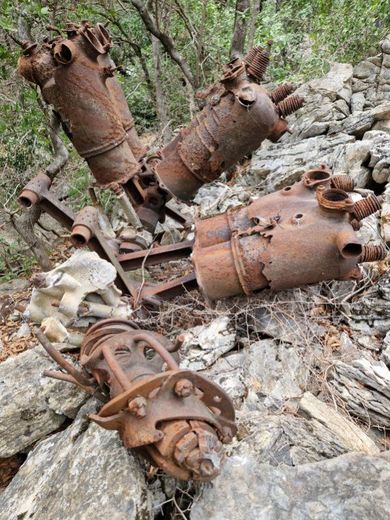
x,y
226,437
137,407
184,388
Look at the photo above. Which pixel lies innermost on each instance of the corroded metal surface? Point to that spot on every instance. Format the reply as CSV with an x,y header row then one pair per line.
x,y
299,235
75,75
175,418
239,115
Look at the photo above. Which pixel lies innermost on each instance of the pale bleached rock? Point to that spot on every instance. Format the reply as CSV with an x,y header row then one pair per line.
x,y
364,387
204,344
83,472
275,372
351,486
349,434
31,405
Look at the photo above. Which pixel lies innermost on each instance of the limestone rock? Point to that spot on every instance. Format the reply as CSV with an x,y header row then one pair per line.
x,y
32,406
364,387
228,372
275,372
345,430
204,344
83,472
349,486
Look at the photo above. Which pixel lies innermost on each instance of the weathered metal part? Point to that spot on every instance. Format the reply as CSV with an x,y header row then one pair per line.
x,y
256,62
290,105
281,92
155,255
373,253
175,418
72,74
84,226
299,235
365,207
238,117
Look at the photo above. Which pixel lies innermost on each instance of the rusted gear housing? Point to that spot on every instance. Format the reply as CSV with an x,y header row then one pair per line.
x,y
175,418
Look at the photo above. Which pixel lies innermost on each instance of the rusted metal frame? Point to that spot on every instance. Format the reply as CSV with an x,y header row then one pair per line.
x,y
170,289
65,216
155,255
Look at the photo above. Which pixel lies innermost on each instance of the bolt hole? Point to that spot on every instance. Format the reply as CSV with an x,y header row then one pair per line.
x,y
298,216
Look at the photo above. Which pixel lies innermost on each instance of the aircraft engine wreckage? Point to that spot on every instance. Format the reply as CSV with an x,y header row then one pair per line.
x,y
301,234
175,418
76,76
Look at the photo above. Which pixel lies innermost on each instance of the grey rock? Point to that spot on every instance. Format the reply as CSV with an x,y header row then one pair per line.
x,y
32,406
344,431
371,313
364,388
358,101
275,372
385,215
204,344
351,486
84,473
228,372
281,164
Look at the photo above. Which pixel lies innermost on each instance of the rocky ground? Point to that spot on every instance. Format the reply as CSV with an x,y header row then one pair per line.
x,y
307,369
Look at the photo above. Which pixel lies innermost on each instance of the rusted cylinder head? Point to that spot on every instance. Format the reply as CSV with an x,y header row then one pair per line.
x,y
239,116
175,418
373,253
74,77
365,207
31,193
299,235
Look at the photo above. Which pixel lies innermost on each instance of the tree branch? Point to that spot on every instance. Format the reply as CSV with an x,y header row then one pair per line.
x,y
166,41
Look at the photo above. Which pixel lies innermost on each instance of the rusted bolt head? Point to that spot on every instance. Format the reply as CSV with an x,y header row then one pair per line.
x,y
137,407
226,437
184,388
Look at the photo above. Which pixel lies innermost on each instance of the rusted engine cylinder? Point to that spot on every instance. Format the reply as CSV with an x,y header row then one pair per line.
x,y
299,235
75,76
237,118
175,418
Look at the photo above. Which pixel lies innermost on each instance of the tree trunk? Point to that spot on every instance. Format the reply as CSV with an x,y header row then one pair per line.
x,y
240,29
24,223
160,97
255,10
166,41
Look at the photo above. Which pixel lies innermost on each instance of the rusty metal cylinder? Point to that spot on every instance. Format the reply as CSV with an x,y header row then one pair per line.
x,y
73,79
234,123
299,235
30,195
83,227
